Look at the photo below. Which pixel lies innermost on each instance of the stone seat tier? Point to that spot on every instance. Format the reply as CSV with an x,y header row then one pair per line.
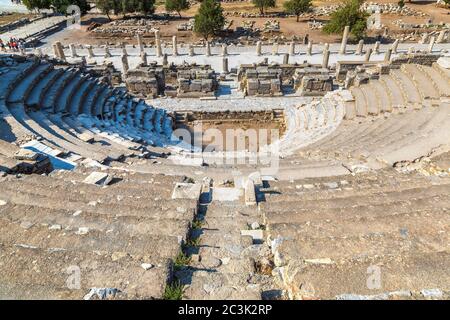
x,y
394,91
361,106
371,98
22,89
441,83
62,103
50,95
424,85
409,89
123,272
35,97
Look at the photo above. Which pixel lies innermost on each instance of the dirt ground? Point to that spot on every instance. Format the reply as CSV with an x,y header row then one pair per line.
x,y
13,17
289,26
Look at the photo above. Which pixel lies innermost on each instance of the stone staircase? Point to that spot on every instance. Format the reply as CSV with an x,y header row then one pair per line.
x,y
328,236
123,237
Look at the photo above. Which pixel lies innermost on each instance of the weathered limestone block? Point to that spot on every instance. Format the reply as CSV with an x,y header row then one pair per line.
x,y
98,178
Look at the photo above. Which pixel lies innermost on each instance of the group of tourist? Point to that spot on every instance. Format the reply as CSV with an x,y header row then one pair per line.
x,y
13,45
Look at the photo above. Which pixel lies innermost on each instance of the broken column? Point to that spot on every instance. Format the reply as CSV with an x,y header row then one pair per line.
x,y
38,52
60,51
395,46
431,45
376,47
424,38
344,40
144,58
125,64
326,58
286,58
208,49
107,53
275,49
359,48
441,36
225,65
191,50
174,46
292,48
73,50
158,43
90,52
140,43
309,51
368,54
124,51
387,55
165,60
258,48
224,50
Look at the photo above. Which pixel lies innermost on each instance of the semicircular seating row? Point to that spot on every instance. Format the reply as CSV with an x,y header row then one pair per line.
x,y
400,116
67,108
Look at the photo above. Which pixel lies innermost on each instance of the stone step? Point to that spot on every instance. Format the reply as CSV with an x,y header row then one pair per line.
x,y
11,129
65,219
394,91
36,273
65,97
423,83
80,97
383,96
42,86
50,96
413,223
155,246
410,90
411,272
360,101
441,70
13,75
441,83
372,101
180,209
368,197
22,89
89,100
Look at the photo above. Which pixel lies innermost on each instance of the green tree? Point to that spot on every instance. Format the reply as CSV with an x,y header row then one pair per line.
x,y
263,5
209,20
297,7
106,7
177,6
62,5
401,3
36,4
350,15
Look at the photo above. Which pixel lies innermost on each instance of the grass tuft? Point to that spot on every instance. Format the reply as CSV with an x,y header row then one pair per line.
x,y
174,291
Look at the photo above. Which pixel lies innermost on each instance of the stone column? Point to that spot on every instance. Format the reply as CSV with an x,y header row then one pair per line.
x,y
191,50
144,58
224,50
395,46
38,52
359,48
60,51
344,40
431,45
275,49
55,50
73,50
424,38
368,54
174,46
225,65
376,47
165,60
286,58
208,49
326,47
292,48
387,55
441,36
258,48
90,52
107,53
124,51
309,50
326,58
158,43
125,64
140,42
